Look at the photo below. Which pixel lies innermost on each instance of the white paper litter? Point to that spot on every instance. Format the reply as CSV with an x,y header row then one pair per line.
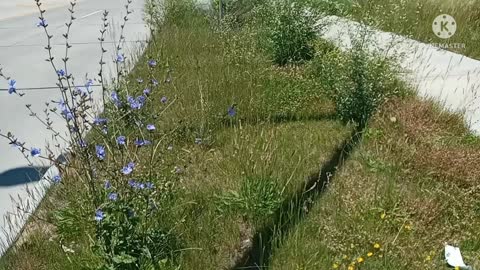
x,y
454,257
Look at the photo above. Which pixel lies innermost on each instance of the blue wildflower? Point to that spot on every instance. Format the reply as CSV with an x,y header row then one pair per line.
x,y
108,185
137,103
56,179
154,82
42,23
12,86
35,152
100,121
61,73
142,142
150,127
89,84
100,152
67,114
140,186
232,111
113,196
116,99
141,100
121,140
80,91
82,143
132,183
164,99
120,58
99,215
152,63
146,92
128,169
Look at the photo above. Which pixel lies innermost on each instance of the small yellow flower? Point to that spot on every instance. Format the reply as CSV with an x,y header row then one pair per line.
x,y
376,245
351,267
360,260
428,258
383,215
457,267
369,254
335,266
408,227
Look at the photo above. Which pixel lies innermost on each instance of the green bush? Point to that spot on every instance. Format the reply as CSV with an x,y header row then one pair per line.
x,y
290,33
356,81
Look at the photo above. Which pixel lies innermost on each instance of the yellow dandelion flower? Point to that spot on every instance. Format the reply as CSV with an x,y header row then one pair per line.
x,y
336,266
369,254
428,258
376,245
360,260
408,227
383,215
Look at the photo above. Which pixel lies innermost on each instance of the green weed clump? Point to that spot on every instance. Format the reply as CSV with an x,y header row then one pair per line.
x,y
290,33
356,81
258,197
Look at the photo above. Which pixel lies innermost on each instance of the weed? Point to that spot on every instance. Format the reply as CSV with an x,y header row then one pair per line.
x,y
290,33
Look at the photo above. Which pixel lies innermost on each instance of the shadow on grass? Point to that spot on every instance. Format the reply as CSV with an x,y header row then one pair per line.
x,y
295,208
23,175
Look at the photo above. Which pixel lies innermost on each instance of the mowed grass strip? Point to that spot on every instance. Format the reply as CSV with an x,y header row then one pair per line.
x,y
411,186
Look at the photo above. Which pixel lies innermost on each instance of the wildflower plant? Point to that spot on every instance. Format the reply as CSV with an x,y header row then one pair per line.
x,y
117,200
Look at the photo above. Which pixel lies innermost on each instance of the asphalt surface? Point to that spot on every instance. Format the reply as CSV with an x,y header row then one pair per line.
x,y
22,57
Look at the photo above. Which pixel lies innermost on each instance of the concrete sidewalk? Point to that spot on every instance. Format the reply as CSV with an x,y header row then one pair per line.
x,y
449,78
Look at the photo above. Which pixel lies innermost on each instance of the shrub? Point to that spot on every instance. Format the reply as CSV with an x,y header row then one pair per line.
x,y
356,81
290,33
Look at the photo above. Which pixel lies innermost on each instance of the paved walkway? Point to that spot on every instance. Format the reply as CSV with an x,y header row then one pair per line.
x,y
446,77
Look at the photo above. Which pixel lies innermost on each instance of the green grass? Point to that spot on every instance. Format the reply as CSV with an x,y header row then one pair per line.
x,y
414,18
404,188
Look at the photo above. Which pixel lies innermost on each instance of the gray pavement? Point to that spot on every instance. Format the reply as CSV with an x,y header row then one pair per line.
x,y
22,57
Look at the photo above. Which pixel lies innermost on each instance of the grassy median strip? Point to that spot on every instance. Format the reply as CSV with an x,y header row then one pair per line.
x,y
238,135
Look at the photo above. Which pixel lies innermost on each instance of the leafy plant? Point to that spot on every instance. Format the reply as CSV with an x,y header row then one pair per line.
x,y
356,81
290,33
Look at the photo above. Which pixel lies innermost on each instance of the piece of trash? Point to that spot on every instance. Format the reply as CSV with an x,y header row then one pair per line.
x,y
454,257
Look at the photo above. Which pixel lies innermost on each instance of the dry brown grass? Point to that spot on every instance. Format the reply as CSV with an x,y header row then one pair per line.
x,y
411,186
